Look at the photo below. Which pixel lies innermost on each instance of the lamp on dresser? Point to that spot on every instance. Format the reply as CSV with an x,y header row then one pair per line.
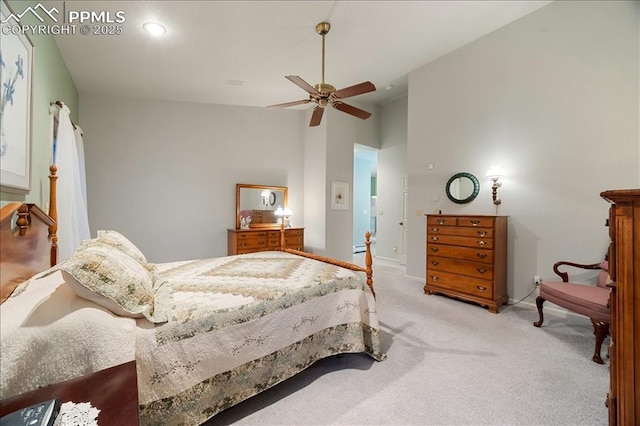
x,y
284,216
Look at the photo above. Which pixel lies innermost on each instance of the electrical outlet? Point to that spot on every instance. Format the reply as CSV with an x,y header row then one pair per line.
x,y
537,280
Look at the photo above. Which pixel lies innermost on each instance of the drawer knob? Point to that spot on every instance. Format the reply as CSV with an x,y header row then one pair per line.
x,y
434,249
481,255
434,278
435,229
482,233
474,222
434,238
482,271
481,243
440,221
481,288
435,262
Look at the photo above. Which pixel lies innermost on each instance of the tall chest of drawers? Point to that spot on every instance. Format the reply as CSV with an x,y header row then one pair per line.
x,y
241,241
623,398
467,258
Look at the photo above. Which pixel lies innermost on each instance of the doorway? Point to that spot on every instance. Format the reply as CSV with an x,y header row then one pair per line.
x,y
365,164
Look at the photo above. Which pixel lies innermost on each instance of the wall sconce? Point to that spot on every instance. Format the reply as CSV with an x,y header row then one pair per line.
x,y
284,216
265,197
495,173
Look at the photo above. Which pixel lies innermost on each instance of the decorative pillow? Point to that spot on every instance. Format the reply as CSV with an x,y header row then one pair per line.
x,y
113,280
119,241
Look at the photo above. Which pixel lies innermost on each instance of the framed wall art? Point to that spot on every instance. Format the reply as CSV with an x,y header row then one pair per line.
x,y
339,195
16,67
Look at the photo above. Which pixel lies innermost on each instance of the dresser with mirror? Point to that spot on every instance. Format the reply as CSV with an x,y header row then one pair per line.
x,y
262,222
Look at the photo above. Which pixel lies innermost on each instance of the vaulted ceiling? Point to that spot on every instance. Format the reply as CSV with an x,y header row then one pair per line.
x,y
238,52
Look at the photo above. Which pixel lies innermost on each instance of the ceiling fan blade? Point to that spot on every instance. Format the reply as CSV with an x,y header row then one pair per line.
x,y
317,116
349,109
357,89
302,84
288,104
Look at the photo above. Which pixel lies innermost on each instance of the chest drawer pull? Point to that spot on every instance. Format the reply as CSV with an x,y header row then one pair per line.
x,y
435,229
481,242
481,288
434,278
482,271
441,221
435,262
481,255
482,233
434,238
434,249
474,222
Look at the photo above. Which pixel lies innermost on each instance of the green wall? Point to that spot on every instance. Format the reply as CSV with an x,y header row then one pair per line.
x,y
51,82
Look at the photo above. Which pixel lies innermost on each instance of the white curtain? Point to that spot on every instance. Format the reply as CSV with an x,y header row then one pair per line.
x,y
73,221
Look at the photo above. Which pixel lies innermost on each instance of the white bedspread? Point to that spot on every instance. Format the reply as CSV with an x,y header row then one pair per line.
x,y
241,324
237,326
49,335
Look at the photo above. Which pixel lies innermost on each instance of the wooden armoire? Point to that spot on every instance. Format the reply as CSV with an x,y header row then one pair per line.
x,y
623,399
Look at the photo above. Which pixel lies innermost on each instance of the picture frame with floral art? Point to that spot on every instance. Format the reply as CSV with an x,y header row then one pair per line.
x,y
339,195
16,66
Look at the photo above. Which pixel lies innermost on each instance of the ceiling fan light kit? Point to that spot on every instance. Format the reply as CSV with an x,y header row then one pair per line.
x,y
324,94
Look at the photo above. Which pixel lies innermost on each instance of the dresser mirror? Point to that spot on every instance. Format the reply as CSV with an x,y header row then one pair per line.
x,y
462,188
256,205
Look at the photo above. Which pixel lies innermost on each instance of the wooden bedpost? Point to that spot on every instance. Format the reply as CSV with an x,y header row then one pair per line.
x,y
368,261
282,239
53,213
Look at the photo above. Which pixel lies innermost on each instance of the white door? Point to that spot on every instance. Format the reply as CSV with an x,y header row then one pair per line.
x,y
402,239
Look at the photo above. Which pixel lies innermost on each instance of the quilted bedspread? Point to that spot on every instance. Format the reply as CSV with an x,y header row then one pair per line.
x,y
241,324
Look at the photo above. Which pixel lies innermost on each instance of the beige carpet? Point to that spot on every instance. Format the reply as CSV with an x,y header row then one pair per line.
x,y
449,363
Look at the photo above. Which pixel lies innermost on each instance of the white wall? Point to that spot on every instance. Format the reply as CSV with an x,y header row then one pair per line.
x,y
164,173
554,99
392,168
328,157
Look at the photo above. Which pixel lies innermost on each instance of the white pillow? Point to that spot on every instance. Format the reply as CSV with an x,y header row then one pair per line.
x,y
112,279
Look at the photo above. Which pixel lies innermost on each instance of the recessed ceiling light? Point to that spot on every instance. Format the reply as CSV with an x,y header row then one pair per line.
x,y
154,28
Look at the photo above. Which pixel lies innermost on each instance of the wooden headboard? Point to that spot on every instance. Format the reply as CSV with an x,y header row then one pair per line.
x,y
28,240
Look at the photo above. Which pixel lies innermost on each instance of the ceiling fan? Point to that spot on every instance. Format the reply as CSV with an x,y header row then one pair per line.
x,y
324,94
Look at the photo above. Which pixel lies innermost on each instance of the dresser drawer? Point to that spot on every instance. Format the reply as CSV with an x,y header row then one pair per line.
x,y
472,221
294,232
461,283
476,222
251,235
485,243
464,253
462,231
471,269
442,220
293,241
252,243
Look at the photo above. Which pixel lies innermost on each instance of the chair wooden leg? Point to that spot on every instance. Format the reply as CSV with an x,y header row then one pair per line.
x,y
539,302
601,330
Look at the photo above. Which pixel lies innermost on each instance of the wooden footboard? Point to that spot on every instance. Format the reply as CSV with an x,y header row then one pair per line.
x,y
368,260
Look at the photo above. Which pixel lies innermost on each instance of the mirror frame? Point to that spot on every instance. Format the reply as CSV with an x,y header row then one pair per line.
x,y
470,198
240,186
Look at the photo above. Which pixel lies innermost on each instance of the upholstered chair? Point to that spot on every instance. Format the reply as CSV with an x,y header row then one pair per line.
x,y
589,300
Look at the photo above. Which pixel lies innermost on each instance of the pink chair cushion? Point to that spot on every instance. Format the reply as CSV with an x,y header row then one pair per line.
x,y
603,279
587,300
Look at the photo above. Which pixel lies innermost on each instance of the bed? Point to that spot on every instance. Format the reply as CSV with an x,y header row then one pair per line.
x,y
203,335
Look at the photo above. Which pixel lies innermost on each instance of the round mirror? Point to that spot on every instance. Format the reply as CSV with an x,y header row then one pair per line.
x,y
462,188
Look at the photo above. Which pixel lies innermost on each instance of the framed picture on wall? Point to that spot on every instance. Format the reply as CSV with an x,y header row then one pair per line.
x,y
339,195
16,66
